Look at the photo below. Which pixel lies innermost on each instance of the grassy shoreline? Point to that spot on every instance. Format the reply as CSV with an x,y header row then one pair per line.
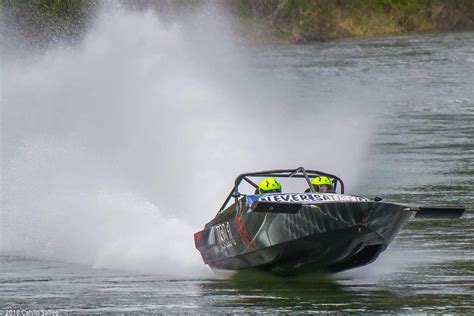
x,y
301,21
42,22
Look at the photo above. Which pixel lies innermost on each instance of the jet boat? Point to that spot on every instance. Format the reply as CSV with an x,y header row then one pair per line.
x,y
292,233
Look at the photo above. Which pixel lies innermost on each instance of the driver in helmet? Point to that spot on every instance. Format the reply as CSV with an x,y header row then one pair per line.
x,y
268,185
322,184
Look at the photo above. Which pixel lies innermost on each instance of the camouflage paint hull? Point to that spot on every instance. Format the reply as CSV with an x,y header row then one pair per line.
x,y
316,236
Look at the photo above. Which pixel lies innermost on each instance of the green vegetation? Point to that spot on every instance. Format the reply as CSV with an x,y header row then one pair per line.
x,y
309,20
40,22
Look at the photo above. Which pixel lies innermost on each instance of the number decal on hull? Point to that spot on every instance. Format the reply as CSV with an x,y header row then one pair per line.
x,y
224,235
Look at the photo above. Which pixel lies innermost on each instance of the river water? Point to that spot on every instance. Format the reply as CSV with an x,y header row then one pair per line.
x,y
414,97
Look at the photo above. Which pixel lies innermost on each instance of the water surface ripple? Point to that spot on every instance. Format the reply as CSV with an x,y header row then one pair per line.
x,y
422,152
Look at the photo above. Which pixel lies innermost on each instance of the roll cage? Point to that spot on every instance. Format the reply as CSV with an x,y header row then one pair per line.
x,y
299,172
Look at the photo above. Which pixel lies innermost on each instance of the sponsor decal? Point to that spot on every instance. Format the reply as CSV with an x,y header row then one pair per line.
x,y
224,235
311,198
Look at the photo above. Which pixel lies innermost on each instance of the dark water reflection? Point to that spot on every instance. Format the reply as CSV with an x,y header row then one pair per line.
x,y
323,293
403,280
262,291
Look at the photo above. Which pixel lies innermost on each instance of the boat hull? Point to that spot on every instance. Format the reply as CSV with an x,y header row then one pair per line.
x,y
329,236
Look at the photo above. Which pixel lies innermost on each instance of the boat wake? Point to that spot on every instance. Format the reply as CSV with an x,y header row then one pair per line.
x,y
116,149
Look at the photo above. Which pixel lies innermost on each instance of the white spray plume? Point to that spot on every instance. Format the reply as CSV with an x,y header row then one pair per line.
x,y
117,150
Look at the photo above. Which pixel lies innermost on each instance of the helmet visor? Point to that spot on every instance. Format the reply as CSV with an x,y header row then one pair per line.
x,y
324,188
261,191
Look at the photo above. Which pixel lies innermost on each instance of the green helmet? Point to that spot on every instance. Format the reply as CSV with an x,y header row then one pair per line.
x,y
269,185
322,184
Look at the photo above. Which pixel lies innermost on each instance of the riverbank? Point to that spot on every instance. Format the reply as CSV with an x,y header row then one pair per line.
x,y
41,23
292,21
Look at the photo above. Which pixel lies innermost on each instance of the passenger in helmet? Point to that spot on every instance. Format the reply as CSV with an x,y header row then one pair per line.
x,y
323,184
268,185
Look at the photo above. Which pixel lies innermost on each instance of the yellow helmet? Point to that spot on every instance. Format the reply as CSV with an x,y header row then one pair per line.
x,y
322,182
269,185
